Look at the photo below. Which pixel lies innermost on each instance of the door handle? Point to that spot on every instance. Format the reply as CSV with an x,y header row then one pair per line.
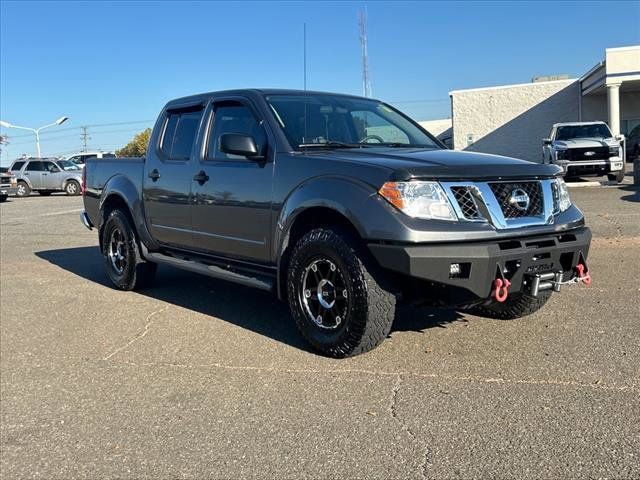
x,y
201,177
154,174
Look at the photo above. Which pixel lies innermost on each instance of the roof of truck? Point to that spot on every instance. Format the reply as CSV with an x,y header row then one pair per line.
x,y
257,91
575,124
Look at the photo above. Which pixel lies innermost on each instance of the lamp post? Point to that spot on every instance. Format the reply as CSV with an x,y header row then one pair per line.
x,y
59,121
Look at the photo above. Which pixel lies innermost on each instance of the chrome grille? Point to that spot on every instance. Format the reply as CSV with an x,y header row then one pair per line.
x,y
504,191
466,203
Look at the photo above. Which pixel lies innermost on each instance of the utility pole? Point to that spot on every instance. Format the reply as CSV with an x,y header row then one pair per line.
x,y
366,82
84,136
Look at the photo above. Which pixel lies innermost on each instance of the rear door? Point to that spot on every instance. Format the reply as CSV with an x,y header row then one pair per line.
x,y
232,208
168,176
33,171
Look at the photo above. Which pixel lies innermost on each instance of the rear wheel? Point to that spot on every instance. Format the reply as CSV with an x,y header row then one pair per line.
x,y
23,189
335,294
125,267
72,188
515,306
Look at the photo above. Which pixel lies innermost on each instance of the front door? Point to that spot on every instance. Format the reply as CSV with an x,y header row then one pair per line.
x,y
232,195
52,176
168,176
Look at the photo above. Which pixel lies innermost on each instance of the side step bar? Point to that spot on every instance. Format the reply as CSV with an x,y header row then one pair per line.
x,y
263,282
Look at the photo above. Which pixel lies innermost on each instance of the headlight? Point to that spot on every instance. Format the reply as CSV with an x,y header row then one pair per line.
x,y
562,154
419,199
562,195
614,150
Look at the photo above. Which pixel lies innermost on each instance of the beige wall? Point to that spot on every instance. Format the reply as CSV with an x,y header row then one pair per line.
x,y
436,127
625,60
512,120
594,107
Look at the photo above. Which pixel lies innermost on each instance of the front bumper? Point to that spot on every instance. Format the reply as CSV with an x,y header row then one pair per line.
x,y
480,263
612,164
4,191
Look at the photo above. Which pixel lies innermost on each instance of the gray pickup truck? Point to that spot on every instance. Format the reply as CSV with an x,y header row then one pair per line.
x,y
342,206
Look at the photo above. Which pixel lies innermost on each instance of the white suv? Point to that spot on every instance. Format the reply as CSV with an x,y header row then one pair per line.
x,y
82,157
585,148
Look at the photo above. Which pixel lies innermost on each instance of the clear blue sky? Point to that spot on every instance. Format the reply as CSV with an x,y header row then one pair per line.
x,y
106,63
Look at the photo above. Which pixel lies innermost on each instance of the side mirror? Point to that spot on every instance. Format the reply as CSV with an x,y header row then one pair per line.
x,y
240,144
546,141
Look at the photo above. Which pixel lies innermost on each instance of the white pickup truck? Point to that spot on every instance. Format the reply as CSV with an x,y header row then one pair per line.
x,y
585,148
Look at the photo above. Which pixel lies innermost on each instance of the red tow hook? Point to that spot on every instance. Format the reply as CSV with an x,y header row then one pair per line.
x,y
501,289
584,277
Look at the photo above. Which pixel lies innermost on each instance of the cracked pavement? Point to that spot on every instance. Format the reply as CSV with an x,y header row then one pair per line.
x,y
198,378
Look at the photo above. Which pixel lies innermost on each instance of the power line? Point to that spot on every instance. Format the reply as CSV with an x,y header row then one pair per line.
x,y
49,132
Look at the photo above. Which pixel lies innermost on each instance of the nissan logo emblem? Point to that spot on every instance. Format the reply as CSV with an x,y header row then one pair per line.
x,y
519,199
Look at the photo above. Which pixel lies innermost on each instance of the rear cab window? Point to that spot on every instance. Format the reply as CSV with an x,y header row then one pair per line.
x,y
181,128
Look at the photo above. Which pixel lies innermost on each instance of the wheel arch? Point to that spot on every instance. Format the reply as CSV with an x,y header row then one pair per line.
x,y
306,220
120,192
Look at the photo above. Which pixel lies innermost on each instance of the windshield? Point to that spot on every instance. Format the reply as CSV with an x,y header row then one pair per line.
x,y
338,121
596,130
68,165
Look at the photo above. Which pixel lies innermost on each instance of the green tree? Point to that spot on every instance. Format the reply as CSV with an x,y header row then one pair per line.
x,y
137,147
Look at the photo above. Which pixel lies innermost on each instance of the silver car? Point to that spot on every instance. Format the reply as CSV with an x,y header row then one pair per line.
x,y
46,175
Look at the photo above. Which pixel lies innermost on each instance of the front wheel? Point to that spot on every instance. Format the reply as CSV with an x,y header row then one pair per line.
x,y
72,188
125,267
515,306
616,177
335,294
23,189
3,198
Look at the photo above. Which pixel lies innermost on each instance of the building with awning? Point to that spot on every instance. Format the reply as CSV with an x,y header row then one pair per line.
x,y
512,120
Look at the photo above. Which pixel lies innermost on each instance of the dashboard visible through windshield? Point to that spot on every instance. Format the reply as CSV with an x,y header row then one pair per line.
x,y
322,120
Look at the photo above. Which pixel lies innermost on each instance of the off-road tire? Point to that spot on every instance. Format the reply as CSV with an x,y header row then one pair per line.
x,y
515,306
3,198
136,273
72,188
26,190
370,308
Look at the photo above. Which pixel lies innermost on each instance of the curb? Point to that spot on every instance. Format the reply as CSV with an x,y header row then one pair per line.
x,y
605,183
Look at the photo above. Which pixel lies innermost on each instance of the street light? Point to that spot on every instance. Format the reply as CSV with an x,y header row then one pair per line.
x,y
59,121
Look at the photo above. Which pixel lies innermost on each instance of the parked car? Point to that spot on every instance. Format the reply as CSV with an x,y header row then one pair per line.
x,y
45,176
8,184
585,148
82,157
633,144
341,205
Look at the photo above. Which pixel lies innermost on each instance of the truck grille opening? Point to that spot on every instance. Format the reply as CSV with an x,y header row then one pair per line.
x,y
467,203
505,192
590,153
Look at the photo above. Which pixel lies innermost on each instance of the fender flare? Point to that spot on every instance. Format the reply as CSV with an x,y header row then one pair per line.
x,y
121,186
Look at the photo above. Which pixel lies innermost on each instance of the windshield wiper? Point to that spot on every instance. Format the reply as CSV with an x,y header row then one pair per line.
x,y
331,144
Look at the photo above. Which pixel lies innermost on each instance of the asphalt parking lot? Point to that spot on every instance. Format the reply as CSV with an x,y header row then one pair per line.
x,y
199,378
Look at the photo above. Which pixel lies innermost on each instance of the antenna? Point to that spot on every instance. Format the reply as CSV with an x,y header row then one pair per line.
x,y
362,22
304,53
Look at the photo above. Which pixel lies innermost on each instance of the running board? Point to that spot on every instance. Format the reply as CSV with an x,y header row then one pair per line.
x,y
263,282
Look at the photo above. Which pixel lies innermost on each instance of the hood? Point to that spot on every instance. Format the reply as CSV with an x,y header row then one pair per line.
x,y
586,142
407,164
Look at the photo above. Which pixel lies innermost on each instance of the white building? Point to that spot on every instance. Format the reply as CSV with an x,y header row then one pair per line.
x,y
512,120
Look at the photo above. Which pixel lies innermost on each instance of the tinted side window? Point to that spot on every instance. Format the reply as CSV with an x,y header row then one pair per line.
x,y
180,133
36,166
233,118
17,166
49,166
185,135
